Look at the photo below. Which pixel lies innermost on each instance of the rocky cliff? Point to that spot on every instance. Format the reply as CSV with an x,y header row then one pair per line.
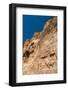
x,y
40,53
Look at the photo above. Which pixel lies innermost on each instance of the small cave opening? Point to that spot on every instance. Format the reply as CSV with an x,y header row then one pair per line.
x,y
52,54
26,54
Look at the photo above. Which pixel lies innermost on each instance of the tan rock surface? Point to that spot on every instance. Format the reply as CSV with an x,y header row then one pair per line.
x,y
40,53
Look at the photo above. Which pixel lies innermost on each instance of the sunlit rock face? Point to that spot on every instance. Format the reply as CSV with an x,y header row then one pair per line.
x,y
40,53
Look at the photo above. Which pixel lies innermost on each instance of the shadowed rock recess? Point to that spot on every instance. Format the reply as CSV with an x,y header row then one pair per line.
x,y
40,53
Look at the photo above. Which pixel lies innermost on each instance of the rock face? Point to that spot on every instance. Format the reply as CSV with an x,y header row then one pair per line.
x,y
40,53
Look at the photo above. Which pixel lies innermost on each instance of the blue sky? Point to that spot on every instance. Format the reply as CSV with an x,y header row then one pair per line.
x,y
32,24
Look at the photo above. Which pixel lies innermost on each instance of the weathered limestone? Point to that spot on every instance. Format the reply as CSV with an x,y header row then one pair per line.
x,y
40,53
